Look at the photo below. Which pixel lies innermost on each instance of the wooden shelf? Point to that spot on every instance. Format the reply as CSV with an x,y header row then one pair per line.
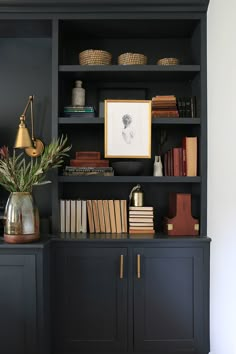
x,y
155,121
127,179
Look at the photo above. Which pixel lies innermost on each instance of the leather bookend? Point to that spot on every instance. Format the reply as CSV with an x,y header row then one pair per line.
x,y
180,221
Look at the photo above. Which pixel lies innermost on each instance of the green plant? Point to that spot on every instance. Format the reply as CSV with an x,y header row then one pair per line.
x,y
20,175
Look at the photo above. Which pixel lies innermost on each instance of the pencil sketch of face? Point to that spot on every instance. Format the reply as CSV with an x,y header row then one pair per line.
x,y
127,131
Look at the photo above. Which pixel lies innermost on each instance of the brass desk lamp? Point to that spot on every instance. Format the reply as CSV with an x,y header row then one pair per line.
x,y
33,147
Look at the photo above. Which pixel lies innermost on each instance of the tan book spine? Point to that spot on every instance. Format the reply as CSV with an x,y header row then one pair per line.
x,y
143,224
112,215
73,216
101,216
90,216
142,227
144,214
95,215
106,216
78,216
191,156
141,219
84,217
144,231
117,216
140,208
67,215
123,204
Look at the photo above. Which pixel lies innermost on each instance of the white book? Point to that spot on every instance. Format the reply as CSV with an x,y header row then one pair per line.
x,y
67,212
84,217
78,215
63,215
73,216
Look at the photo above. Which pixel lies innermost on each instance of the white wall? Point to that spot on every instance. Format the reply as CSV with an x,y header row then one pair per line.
x,y
222,173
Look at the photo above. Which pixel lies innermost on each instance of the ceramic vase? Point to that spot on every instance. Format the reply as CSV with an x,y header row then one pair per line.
x,y
78,94
21,218
157,167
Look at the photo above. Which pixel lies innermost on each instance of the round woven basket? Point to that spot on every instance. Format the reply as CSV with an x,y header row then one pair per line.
x,y
95,57
168,61
132,59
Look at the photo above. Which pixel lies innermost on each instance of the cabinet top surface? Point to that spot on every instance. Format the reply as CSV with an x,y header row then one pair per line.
x,y
59,5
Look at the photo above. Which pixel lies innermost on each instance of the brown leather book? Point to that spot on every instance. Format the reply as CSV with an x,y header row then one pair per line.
x,y
89,163
144,231
87,155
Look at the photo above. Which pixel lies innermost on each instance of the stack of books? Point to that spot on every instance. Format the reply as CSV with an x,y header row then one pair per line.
x,y
141,220
88,171
164,107
107,216
79,111
88,163
73,216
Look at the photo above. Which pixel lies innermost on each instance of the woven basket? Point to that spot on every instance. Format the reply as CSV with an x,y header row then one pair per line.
x,y
168,61
95,57
132,59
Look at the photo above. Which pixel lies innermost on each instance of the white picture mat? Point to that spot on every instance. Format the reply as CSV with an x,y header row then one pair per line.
x,y
138,142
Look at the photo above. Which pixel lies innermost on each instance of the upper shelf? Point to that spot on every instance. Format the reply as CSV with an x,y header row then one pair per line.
x,y
155,121
125,179
131,72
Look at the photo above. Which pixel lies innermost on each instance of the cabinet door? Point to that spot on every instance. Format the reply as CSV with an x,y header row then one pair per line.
x,y
91,299
168,300
17,304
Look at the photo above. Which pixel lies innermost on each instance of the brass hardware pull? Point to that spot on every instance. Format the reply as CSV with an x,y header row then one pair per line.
x,y
138,266
121,266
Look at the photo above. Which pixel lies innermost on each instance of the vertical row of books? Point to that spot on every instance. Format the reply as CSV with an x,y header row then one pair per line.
x,y
171,106
182,161
73,216
107,216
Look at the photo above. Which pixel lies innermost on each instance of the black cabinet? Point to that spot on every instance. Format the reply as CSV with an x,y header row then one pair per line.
x,y
24,299
168,301
131,298
90,299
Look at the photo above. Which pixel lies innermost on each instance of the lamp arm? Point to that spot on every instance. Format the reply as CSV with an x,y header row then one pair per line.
x,y
30,103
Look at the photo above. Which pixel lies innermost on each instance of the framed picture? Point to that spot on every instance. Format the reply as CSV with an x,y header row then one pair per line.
x,y
127,128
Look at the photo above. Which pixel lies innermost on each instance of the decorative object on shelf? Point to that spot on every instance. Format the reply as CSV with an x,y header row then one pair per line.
x,y
136,196
21,216
132,59
164,107
180,221
157,166
168,61
78,94
18,177
95,57
33,146
79,111
128,168
127,128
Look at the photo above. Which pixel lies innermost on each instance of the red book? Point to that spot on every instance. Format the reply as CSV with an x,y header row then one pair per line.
x,y
89,163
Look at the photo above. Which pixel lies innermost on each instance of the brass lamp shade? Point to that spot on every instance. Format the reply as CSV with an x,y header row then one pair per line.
x,y
23,139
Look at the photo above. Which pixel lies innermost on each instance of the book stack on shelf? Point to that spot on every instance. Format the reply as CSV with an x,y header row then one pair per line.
x,y
187,107
88,163
73,216
107,216
141,220
164,107
182,161
79,111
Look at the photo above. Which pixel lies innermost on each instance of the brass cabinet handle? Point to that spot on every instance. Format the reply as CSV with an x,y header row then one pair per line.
x,y
138,266
121,266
